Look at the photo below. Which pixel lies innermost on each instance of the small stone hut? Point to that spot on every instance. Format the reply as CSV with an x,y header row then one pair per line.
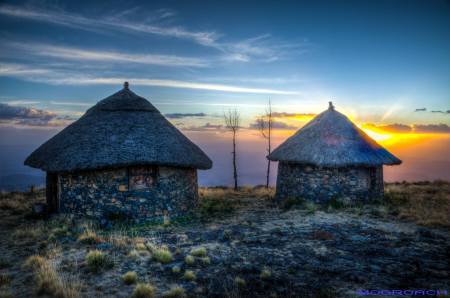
x,y
330,157
121,159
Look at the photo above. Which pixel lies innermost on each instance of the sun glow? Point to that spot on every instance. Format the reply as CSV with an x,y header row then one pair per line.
x,y
378,135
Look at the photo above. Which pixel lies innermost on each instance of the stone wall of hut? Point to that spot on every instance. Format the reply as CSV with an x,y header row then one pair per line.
x,y
322,184
138,193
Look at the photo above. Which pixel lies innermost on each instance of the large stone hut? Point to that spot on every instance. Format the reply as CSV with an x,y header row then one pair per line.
x,y
330,157
123,159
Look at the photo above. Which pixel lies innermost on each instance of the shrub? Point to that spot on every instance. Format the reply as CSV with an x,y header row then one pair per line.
x,y
129,278
175,292
144,291
265,273
189,260
162,255
97,260
89,237
189,275
199,252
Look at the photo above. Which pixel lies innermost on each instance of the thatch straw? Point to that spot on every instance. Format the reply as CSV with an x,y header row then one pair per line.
x,y
123,129
332,140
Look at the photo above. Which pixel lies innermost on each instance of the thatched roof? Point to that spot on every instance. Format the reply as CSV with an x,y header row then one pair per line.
x,y
332,140
123,129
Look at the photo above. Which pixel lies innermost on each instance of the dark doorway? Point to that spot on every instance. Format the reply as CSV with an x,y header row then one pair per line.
x,y
51,192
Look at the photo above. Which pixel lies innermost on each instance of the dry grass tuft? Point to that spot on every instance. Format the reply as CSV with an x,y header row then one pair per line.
x,y
141,246
266,273
199,252
189,260
133,254
175,292
224,200
5,279
130,277
34,261
19,202
49,281
176,269
97,260
162,255
144,291
89,236
240,282
205,260
189,275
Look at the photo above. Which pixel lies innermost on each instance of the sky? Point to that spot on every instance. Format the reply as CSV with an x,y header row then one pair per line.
x,y
385,64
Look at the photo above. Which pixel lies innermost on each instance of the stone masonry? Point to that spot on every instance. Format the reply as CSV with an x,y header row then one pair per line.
x,y
107,194
320,184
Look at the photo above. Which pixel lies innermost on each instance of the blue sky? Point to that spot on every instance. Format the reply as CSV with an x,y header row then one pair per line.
x,y
365,55
378,61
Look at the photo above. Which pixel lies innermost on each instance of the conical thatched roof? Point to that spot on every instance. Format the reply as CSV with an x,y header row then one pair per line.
x,y
332,140
123,129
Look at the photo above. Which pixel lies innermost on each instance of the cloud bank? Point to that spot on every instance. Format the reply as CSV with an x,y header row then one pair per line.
x,y
23,116
415,128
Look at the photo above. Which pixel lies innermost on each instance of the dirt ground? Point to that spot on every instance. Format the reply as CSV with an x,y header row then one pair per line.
x,y
236,245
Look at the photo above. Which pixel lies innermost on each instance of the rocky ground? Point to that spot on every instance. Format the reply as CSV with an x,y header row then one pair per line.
x,y
250,248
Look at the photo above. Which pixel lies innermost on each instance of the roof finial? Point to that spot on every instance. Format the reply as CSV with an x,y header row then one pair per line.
x,y
125,85
330,105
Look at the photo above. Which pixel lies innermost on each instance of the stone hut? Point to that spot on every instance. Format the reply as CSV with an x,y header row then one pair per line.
x,y
330,157
121,159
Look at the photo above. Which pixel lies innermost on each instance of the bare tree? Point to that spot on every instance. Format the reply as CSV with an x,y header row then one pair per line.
x,y
232,120
265,128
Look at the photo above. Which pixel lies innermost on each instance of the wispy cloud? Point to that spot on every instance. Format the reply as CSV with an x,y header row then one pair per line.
x,y
69,103
184,115
21,102
275,125
118,22
11,69
65,78
77,54
259,48
441,112
205,127
433,111
168,84
292,115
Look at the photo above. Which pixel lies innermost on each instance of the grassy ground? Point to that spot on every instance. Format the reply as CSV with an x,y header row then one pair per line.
x,y
64,257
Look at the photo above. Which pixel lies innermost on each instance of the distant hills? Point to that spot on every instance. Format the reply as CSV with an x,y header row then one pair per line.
x,y
20,182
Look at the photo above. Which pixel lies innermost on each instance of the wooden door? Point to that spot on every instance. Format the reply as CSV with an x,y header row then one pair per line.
x,y
51,192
